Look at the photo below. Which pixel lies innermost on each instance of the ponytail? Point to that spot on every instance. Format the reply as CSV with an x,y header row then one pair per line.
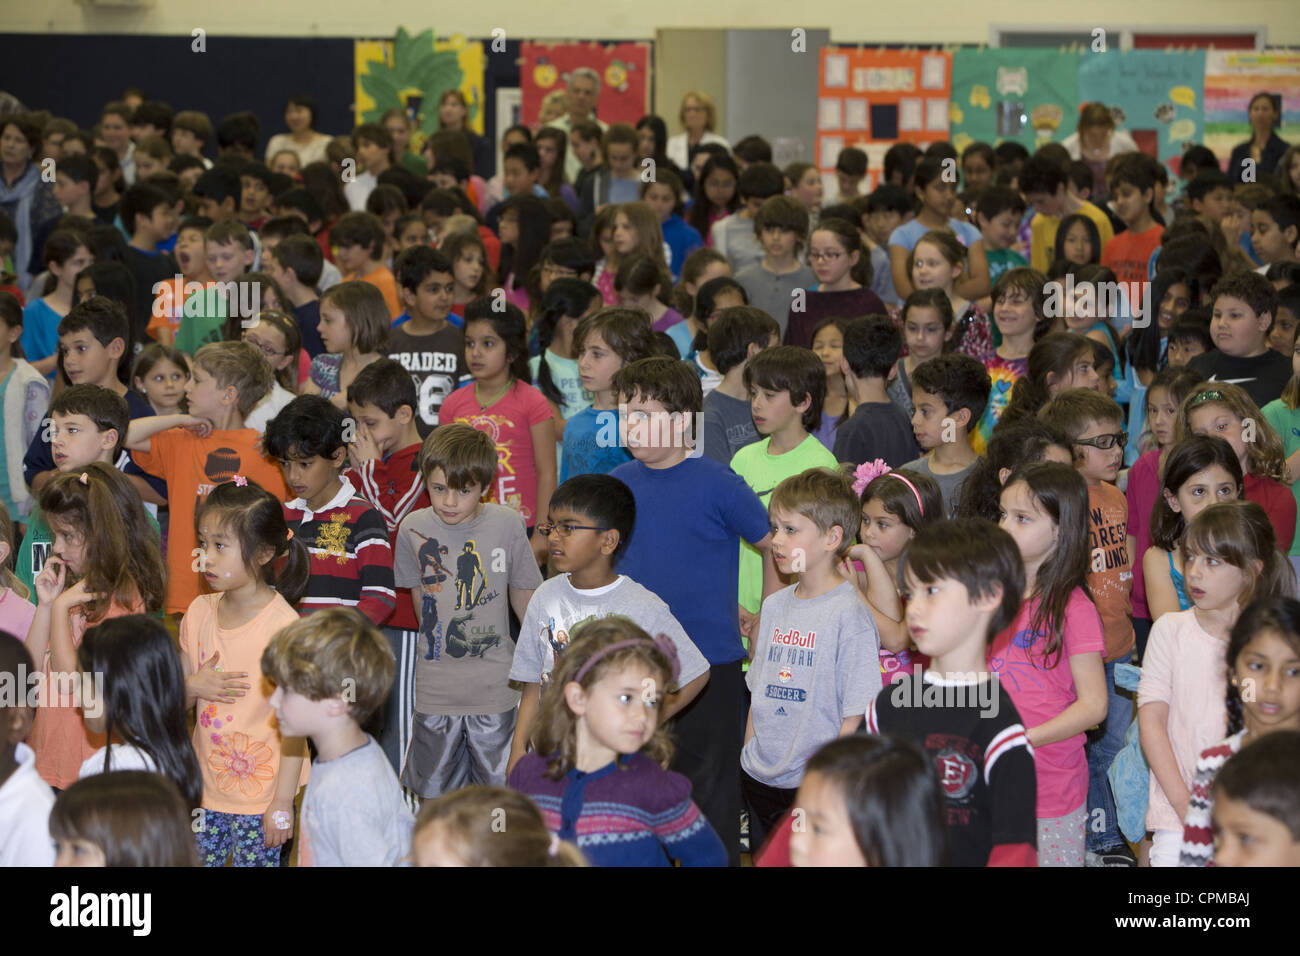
x,y
849,237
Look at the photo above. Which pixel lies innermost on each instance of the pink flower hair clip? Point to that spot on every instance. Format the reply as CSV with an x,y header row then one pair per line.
x,y
84,479
867,472
240,481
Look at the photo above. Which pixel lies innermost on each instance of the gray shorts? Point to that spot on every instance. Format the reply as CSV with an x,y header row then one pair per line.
x,y
449,752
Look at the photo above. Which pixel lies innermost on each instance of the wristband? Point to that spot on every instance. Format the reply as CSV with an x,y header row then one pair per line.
x,y
282,819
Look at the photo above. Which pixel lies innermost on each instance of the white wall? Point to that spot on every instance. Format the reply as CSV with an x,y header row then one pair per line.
x,y
850,21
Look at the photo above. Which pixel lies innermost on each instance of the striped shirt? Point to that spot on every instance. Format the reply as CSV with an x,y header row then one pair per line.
x,y
351,555
1198,831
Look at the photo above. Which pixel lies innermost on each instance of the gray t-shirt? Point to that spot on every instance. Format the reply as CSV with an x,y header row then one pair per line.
x,y
728,426
734,237
460,575
771,292
816,663
353,813
949,485
557,607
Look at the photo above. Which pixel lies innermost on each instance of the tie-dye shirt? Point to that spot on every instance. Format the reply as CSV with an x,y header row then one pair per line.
x,y
1003,374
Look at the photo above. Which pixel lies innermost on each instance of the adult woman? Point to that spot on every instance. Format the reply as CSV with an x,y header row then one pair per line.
x,y
1265,147
302,138
28,201
453,114
698,116
1095,141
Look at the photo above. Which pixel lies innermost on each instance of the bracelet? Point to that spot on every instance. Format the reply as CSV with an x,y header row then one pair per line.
x,y
282,819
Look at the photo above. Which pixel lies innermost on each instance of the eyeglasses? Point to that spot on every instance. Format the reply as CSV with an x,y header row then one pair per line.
x,y
1105,442
565,528
266,349
824,256
558,272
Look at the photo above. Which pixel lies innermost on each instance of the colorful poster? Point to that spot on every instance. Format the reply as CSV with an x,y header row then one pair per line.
x,y
624,70
1029,96
873,98
413,72
1232,77
1156,95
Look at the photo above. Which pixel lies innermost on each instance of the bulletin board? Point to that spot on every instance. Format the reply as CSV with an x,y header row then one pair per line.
x,y
1157,96
1232,77
412,72
624,70
1021,95
873,98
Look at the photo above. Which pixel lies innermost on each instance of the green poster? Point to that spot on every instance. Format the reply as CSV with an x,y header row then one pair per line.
x,y
1026,95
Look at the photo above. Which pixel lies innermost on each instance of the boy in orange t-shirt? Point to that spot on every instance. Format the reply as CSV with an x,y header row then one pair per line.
x,y
228,380
1132,187
358,239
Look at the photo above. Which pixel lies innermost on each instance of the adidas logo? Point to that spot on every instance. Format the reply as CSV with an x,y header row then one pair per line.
x,y
780,712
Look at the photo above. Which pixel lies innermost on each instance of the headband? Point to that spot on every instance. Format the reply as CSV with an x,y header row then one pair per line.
x,y
662,643
868,472
1213,395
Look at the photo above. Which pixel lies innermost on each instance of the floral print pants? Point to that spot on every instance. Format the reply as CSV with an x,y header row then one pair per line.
x,y
227,835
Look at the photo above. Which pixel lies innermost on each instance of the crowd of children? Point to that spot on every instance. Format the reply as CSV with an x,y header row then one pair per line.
x,y
403,517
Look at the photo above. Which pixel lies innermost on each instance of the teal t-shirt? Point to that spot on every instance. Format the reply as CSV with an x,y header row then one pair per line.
x,y
1287,425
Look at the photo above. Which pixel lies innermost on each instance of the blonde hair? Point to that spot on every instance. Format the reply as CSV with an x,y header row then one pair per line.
x,y
495,826
318,655
7,576
238,365
823,496
710,111
1264,456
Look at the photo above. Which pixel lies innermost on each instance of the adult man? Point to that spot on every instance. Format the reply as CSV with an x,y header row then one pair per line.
x,y
584,90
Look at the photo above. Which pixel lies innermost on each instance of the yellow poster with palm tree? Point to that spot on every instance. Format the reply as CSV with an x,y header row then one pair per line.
x,y
412,72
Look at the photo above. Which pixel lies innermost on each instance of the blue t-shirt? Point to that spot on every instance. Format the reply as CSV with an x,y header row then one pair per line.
x,y
682,338
452,319
40,331
685,546
591,444
682,239
908,233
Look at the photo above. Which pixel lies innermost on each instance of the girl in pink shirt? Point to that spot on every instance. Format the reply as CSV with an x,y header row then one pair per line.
x,y
1050,659
1230,559
16,611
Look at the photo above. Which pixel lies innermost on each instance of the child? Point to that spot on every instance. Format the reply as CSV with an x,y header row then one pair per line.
x,y
429,345
351,557
1049,659
603,342
374,145
1287,321
850,170
1132,187
1059,361
332,671
1281,415
24,396
1219,408
589,524
1043,183
842,270
664,195
500,402
1263,649
640,284
525,229
552,147
949,393
159,374
966,581
276,335
297,263
1018,311
635,232
354,327
251,771
937,259
927,317
65,255
781,225
359,239
814,515
25,799
713,297
599,771
141,709
227,380
1011,446
688,504
468,257
148,217
1256,795
16,610
736,236
1145,349
1077,243
455,830
701,266
1275,229
786,387
715,195
229,248
385,471
870,801
887,208
877,428
806,186
998,212
735,338
101,537
828,345
555,372
464,707
255,194
120,819
1231,560
1245,306
935,194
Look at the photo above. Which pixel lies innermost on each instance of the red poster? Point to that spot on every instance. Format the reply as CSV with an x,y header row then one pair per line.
x,y
624,70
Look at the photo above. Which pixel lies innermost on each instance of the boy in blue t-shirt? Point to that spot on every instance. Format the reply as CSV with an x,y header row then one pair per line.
x,y
692,513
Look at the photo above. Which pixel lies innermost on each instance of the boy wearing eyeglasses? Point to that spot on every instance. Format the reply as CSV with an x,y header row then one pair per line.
x,y
1095,426
588,524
